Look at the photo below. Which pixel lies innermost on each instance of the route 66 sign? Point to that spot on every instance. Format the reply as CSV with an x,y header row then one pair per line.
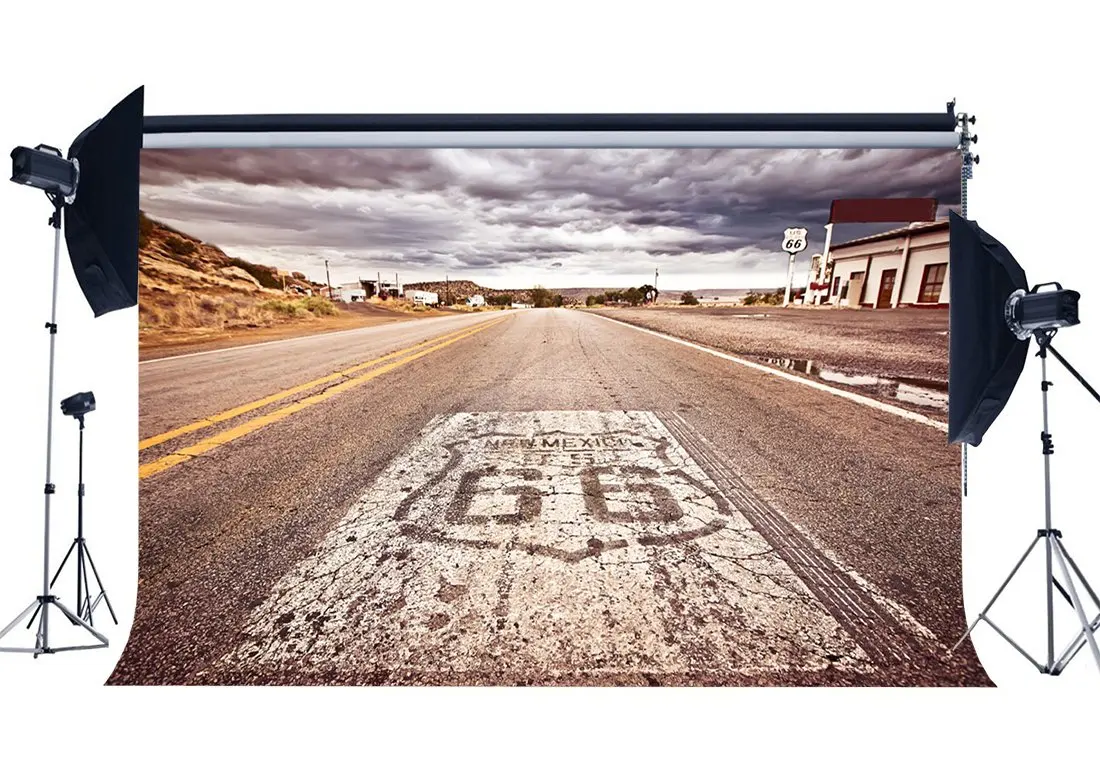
x,y
794,240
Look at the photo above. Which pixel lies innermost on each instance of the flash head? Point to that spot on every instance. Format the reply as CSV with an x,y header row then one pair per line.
x,y
78,404
45,168
1037,311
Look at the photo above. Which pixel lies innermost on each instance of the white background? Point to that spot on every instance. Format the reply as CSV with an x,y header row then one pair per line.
x,y
1024,76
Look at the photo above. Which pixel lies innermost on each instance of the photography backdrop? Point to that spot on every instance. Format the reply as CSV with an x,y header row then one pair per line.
x,y
1016,186
380,526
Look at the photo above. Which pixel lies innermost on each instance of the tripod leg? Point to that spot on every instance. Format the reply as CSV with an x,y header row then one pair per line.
x,y
62,565
1080,575
84,604
100,584
996,596
1086,626
77,621
1079,640
80,590
33,607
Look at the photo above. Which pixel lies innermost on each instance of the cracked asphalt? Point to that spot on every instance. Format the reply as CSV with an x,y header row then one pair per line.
x,y
545,497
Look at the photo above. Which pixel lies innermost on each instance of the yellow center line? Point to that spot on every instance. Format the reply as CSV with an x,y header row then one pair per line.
x,y
206,445
237,411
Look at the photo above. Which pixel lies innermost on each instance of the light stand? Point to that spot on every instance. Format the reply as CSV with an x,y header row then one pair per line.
x,y
1054,549
42,603
85,603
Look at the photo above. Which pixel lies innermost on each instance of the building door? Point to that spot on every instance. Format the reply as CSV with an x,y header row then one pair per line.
x,y
855,288
886,288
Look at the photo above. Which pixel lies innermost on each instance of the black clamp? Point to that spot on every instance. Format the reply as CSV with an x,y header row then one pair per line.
x,y
1046,384
1048,443
1043,533
52,327
50,488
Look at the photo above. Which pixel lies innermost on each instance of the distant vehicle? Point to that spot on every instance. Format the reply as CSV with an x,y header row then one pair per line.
x,y
349,295
476,300
422,297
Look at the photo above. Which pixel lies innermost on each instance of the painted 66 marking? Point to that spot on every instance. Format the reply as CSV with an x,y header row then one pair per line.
x,y
568,485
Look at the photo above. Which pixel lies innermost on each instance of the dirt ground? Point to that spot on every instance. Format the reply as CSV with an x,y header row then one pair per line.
x,y
855,346
890,343
157,344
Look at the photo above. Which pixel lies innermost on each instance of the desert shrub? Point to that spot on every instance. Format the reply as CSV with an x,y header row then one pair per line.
x,y
322,307
264,275
285,308
688,299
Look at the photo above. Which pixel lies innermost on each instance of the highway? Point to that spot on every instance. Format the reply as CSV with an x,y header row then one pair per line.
x,y
534,497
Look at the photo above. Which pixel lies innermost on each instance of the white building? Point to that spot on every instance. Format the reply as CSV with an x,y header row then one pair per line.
x,y
476,300
422,297
902,267
352,295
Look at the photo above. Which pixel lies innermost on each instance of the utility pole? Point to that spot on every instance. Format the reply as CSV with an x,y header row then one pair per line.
x,y
448,278
328,279
397,283
655,291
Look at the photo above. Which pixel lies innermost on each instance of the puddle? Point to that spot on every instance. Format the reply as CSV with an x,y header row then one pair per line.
x,y
931,394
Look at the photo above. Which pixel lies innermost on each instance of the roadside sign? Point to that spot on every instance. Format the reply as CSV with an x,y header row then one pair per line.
x,y
794,240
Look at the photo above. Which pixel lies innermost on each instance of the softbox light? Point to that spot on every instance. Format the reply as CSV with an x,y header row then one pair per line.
x,y
985,356
101,225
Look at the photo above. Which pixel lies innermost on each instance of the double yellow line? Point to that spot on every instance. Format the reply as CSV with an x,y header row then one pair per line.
x,y
395,359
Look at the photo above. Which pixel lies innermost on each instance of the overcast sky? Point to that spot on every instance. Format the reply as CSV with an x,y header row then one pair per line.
x,y
517,218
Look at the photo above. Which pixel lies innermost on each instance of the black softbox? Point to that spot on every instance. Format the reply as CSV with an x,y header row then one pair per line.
x,y
101,225
986,357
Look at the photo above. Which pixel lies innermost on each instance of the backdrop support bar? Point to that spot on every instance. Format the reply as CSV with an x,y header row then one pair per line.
x,y
548,139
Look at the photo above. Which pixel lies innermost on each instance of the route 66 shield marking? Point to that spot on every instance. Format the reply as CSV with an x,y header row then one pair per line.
x,y
794,240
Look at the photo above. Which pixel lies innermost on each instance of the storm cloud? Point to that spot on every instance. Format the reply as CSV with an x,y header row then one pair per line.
x,y
515,218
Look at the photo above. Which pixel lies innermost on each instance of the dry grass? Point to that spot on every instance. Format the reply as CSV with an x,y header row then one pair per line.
x,y
402,306
161,309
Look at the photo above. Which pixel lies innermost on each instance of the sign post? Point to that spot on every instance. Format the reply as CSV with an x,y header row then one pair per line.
x,y
794,243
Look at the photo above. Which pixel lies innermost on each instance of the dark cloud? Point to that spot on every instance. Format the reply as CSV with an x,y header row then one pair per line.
x,y
707,215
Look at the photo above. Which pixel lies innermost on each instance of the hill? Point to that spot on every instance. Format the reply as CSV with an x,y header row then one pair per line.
x,y
457,291
186,283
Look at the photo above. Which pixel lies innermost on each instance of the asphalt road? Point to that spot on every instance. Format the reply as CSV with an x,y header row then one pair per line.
x,y
538,497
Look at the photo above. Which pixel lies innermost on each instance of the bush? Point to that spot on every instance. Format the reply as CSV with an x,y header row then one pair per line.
x,y
688,299
180,249
264,275
322,307
286,308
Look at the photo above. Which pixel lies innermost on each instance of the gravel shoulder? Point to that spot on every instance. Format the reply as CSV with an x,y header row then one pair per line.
x,y
849,348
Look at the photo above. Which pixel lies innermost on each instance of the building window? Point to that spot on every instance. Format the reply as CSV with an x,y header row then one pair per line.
x,y
932,283
836,285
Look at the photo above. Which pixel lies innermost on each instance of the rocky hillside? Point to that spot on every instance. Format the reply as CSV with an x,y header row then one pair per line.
x,y
460,290
185,283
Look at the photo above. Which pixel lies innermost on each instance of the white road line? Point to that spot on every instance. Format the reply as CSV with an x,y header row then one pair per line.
x,y
873,403
277,340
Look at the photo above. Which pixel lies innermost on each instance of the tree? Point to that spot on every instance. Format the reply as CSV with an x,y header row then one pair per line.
x,y
633,296
688,299
541,298
558,300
